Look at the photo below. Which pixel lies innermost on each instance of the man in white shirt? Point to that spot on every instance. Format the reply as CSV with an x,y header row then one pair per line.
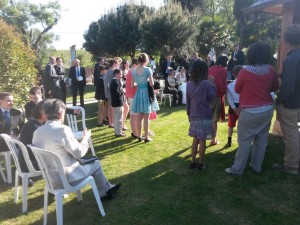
x,y
233,99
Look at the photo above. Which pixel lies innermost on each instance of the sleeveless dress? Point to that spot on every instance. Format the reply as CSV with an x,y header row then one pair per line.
x,y
141,102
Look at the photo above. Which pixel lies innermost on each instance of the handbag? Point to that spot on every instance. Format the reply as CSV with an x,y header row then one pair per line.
x,y
150,93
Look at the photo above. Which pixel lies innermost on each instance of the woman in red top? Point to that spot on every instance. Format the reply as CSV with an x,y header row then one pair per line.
x,y
255,83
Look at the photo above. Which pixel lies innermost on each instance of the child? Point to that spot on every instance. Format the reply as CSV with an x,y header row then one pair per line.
x,y
117,101
100,95
35,96
233,100
201,93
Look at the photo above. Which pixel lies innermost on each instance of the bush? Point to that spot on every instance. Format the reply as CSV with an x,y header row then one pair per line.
x,y
18,73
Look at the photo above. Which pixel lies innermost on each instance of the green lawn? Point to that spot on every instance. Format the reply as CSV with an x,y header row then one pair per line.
x,y
89,92
159,189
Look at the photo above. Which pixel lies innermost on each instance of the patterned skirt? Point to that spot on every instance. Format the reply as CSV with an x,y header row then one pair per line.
x,y
201,129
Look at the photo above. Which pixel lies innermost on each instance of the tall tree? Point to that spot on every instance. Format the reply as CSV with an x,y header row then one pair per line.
x,y
117,33
256,27
190,5
16,64
215,33
33,21
169,29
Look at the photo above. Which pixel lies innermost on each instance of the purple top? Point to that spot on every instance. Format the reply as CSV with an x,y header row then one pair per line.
x,y
199,98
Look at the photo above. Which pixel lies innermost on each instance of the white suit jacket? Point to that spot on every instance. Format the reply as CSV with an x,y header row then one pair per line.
x,y
59,138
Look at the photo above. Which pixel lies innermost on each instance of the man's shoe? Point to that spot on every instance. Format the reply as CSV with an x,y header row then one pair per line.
x,y
112,191
280,167
120,135
228,170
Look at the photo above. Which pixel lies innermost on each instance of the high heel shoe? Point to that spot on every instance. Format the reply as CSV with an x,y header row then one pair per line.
x,y
134,136
148,140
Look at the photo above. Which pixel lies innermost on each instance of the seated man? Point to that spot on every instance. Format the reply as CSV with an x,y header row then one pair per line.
x,y
57,137
37,119
170,88
11,120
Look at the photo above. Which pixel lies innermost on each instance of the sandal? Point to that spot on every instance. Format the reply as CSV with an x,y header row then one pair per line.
x,y
214,143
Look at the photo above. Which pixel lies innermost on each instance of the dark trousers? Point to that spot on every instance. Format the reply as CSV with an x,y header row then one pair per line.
x,y
74,94
63,88
176,95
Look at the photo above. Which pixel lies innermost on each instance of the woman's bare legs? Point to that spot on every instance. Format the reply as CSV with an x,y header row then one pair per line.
x,y
125,113
194,149
146,125
202,147
139,124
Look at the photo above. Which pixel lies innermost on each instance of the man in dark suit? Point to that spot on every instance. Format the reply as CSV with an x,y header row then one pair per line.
x,y
51,80
100,62
11,120
77,74
237,58
167,66
60,70
117,102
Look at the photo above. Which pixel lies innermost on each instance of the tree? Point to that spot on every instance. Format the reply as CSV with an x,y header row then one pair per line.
x,y
33,21
17,70
169,29
215,33
117,33
190,5
256,27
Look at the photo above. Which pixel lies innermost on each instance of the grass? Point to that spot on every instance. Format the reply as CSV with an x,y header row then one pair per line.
x,y
89,92
159,189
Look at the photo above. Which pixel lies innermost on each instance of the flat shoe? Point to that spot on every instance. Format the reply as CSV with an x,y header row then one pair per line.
x,y
193,165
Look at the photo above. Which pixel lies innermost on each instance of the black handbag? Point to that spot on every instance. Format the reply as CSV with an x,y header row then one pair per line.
x,y
150,93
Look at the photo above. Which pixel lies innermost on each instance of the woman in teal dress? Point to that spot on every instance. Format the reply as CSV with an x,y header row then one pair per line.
x,y
141,103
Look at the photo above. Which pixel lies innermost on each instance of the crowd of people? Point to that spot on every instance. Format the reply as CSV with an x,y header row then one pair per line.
x,y
202,85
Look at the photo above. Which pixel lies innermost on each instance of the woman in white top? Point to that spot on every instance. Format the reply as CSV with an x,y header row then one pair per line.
x,y
181,81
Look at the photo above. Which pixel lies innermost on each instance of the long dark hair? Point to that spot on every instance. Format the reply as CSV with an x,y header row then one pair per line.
x,y
199,71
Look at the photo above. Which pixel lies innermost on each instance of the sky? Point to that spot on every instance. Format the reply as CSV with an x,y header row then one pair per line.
x,y
78,15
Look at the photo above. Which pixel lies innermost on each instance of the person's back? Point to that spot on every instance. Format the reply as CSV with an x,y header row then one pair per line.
x,y
199,98
254,86
142,79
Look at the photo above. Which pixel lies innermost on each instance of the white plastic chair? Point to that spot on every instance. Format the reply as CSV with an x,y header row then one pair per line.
x,y
2,173
17,148
162,95
50,162
73,124
7,159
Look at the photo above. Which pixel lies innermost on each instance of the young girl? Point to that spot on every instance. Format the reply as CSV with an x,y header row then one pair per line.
x,y
201,92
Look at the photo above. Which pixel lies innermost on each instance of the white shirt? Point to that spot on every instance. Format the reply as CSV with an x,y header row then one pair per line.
x,y
232,96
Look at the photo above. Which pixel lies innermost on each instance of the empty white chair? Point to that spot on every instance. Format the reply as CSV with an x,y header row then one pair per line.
x,y
163,97
7,158
2,173
56,182
73,124
17,149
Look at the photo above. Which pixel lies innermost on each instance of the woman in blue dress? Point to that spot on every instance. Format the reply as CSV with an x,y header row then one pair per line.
x,y
141,103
